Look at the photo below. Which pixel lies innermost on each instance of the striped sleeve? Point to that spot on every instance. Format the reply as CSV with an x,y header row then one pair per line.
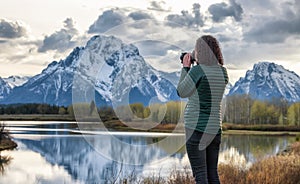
x,y
187,82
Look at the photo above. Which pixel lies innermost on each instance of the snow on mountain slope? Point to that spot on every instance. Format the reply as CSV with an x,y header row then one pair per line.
x,y
115,70
5,89
267,81
14,81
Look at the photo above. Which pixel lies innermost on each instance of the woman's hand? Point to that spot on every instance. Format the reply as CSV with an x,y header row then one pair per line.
x,y
187,60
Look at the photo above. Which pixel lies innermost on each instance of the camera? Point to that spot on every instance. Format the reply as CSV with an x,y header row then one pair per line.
x,y
192,59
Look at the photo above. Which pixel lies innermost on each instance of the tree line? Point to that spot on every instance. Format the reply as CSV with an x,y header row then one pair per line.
x,y
242,109
239,109
29,109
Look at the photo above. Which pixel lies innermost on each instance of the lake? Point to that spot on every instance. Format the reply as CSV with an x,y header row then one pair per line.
x,y
57,152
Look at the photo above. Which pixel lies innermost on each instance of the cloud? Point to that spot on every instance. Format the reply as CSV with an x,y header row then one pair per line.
x,y
154,47
16,51
115,17
258,7
107,20
158,6
225,38
60,40
220,11
276,29
10,29
139,15
187,19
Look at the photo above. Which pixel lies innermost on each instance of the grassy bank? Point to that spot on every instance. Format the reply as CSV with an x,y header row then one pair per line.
x,y
134,126
276,130
5,140
264,127
7,143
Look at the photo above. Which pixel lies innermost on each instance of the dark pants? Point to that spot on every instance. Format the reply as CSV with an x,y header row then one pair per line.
x,y
203,153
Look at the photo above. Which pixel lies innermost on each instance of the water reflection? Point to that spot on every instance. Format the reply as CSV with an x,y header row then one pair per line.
x,y
232,156
70,158
255,147
31,167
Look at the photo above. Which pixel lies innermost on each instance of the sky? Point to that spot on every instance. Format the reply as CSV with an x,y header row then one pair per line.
x,y
34,33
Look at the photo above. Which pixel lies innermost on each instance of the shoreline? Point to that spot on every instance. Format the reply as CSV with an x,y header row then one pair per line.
x,y
116,125
257,132
7,144
36,117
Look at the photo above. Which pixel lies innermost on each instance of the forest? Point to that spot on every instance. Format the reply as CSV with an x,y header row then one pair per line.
x,y
238,109
242,109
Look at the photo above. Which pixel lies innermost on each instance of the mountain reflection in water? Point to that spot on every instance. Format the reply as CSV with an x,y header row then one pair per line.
x,y
65,158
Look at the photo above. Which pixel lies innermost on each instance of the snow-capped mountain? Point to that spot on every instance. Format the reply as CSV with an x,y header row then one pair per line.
x,y
5,89
14,81
106,68
267,81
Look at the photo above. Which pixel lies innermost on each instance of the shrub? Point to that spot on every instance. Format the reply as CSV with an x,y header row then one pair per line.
x,y
231,174
275,170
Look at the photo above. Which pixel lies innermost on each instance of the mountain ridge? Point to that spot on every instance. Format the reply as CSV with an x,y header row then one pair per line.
x,y
119,74
267,81
112,68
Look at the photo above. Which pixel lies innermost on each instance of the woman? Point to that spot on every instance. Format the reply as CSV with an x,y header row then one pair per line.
x,y
204,85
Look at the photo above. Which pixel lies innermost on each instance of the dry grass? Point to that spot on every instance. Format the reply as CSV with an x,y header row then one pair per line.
x,y
279,169
295,148
231,174
179,177
275,170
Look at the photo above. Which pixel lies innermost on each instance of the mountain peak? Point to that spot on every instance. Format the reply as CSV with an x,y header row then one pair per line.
x,y
115,69
267,81
74,55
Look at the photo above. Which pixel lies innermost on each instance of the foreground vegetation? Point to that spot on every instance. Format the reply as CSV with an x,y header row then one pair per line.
x,y
279,169
5,139
282,168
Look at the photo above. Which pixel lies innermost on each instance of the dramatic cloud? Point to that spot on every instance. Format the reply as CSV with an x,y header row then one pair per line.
x,y
158,6
276,29
186,19
220,11
11,29
107,20
139,15
60,40
115,17
258,7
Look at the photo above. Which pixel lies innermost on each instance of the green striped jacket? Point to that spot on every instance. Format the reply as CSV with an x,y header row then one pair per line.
x,y
204,86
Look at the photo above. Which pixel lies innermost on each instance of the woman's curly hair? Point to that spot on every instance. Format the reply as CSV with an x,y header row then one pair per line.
x,y
208,51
